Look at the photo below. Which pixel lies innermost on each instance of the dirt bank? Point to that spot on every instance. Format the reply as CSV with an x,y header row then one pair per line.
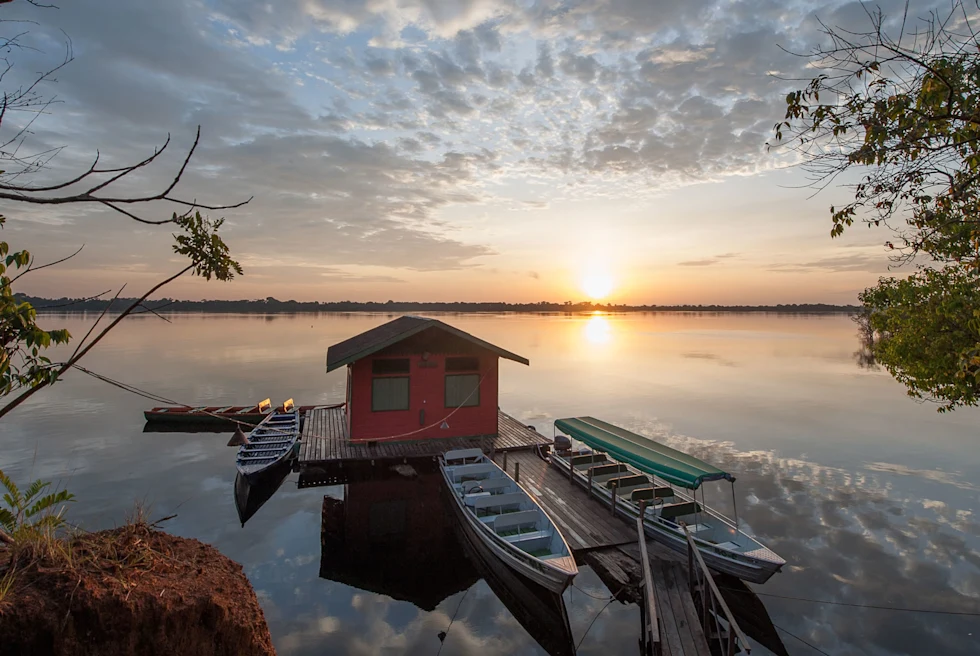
x,y
130,590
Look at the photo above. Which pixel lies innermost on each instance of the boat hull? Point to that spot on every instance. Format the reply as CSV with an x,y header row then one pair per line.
x,y
209,416
519,561
539,610
269,446
741,566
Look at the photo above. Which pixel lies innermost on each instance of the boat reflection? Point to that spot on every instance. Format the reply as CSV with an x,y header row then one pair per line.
x,y
750,613
394,534
540,611
249,497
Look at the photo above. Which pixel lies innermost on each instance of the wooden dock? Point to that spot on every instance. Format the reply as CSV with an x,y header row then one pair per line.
x,y
326,448
596,537
610,546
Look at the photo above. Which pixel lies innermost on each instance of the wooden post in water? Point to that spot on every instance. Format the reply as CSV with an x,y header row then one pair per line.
x,y
505,462
591,474
571,468
612,505
517,472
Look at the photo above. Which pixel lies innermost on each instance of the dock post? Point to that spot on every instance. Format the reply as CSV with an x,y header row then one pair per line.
x,y
505,462
517,472
571,469
493,452
612,505
591,474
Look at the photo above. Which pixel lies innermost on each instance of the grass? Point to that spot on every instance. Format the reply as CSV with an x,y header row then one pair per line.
x,y
119,554
7,582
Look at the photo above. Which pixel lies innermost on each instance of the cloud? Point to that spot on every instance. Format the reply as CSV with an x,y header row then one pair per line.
x,y
360,126
864,262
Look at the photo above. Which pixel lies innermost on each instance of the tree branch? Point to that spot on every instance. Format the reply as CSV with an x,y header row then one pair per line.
x,y
79,354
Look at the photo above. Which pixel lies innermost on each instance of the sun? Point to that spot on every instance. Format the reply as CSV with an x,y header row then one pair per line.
x,y
597,285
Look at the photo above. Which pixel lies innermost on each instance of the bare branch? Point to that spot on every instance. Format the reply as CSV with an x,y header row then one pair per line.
x,y
31,267
80,352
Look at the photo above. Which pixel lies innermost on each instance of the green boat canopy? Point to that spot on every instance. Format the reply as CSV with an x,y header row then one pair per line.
x,y
643,453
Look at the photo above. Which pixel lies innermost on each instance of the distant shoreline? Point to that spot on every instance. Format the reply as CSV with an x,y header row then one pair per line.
x,y
274,306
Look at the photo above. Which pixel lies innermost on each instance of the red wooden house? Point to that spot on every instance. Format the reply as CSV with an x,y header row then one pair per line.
x,y
418,378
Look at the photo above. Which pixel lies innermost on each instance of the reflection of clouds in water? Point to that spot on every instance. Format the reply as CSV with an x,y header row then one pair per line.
x,y
375,624
932,474
853,537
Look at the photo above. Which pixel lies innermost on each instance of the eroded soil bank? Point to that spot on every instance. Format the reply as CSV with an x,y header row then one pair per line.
x,y
130,590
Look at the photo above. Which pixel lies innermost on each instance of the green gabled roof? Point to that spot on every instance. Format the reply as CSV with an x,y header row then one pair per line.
x,y
643,453
385,335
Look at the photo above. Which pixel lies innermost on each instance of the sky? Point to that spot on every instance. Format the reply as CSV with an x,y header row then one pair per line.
x,y
439,150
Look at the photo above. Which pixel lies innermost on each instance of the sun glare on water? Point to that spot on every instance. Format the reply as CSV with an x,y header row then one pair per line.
x,y
597,285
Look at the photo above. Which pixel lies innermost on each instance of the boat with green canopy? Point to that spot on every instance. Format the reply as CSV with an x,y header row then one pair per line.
x,y
631,471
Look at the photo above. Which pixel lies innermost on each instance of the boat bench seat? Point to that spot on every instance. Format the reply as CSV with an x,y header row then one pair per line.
x,y
674,510
491,485
499,503
526,537
522,519
605,472
730,546
463,455
627,481
584,462
643,494
471,472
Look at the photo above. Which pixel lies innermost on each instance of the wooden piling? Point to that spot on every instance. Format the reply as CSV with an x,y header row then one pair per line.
x,y
517,472
612,505
505,462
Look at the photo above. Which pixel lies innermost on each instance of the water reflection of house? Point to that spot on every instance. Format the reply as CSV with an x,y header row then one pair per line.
x,y
392,536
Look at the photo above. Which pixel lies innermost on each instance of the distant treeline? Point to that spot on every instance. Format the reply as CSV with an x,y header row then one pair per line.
x,y
272,305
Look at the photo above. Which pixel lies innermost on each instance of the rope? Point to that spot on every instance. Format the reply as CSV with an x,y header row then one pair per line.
x,y
425,428
162,399
850,605
793,635
582,590
582,639
443,636
156,398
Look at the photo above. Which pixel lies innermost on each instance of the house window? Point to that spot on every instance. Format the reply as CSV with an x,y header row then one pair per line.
x,y
462,390
462,364
390,393
390,366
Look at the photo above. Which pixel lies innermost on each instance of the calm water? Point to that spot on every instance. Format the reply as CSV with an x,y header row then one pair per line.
x,y
871,497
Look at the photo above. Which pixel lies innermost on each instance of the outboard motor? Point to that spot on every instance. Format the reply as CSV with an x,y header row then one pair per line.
x,y
562,443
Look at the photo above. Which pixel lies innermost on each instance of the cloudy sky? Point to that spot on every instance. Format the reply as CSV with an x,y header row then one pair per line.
x,y
515,150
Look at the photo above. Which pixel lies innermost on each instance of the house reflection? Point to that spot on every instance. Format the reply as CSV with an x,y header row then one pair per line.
x,y
390,535
394,534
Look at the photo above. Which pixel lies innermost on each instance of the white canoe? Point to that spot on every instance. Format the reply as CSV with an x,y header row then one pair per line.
x,y
723,545
507,520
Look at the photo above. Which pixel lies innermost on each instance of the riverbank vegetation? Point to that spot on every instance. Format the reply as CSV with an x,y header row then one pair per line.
x,y
900,114
271,306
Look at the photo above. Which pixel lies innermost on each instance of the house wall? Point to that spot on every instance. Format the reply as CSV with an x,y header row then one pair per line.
x,y
427,392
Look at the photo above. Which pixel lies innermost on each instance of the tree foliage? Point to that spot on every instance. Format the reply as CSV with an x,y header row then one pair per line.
x,y
904,113
22,341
